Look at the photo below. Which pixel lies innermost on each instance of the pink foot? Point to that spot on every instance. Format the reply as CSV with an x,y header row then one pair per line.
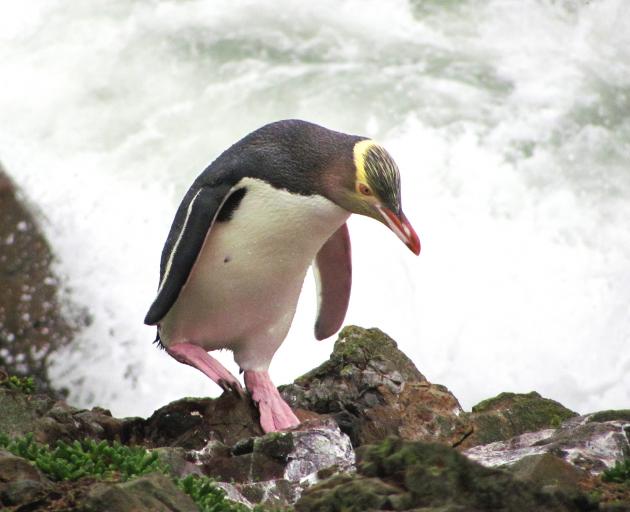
x,y
194,355
275,414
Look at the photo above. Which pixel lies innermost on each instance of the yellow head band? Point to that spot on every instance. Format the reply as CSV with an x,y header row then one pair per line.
x,y
360,150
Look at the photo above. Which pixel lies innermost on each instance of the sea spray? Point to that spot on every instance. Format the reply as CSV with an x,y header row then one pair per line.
x,y
509,119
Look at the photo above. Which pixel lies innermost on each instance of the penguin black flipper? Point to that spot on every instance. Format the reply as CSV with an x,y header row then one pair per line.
x,y
333,274
184,243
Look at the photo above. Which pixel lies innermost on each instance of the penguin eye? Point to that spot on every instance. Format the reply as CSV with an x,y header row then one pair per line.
x,y
364,189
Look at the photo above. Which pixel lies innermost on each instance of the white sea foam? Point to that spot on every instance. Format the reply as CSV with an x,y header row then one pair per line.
x,y
510,120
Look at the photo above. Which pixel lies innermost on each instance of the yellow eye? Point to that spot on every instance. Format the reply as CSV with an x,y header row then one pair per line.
x,y
364,189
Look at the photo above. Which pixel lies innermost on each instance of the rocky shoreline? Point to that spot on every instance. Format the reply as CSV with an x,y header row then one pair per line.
x,y
376,435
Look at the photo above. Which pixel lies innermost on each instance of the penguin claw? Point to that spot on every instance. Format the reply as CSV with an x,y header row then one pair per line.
x,y
224,385
238,389
232,386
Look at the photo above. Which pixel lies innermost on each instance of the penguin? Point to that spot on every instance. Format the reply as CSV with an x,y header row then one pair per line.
x,y
244,237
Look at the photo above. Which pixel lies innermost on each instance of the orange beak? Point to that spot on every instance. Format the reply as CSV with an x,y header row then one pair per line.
x,y
402,227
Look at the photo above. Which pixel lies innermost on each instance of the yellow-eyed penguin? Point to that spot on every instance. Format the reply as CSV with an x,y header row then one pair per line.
x,y
244,236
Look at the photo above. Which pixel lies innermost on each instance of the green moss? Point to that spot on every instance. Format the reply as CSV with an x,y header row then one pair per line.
x,y
113,462
347,493
71,461
610,415
277,445
496,402
619,473
511,414
356,347
23,384
404,475
207,496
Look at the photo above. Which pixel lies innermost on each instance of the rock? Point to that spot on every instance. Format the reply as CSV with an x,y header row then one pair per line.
x,y
511,414
547,470
316,448
156,493
20,411
177,460
21,483
192,422
32,324
50,421
233,494
370,389
274,469
610,415
374,390
220,438
581,441
403,475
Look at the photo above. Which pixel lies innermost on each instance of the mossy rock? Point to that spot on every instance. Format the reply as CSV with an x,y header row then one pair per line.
x,y
511,414
549,471
402,475
610,415
21,412
152,492
357,347
348,493
373,390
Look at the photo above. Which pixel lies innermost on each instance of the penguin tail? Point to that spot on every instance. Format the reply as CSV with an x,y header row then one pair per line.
x,y
157,341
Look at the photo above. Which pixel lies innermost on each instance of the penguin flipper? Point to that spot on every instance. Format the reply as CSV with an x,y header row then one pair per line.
x,y
333,276
183,246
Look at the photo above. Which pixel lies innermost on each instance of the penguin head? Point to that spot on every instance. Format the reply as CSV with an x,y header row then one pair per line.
x,y
374,191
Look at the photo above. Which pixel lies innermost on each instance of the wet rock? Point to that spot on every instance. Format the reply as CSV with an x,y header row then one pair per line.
x,y
274,469
21,483
32,324
581,441
402,475
511,414
373,390
152,492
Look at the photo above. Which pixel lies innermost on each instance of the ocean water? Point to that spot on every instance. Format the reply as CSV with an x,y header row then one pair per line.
x,y
509,119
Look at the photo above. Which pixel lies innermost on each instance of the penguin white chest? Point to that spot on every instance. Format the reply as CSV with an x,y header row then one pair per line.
x,y
243,289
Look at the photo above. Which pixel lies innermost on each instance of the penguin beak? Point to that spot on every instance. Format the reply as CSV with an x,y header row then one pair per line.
x,y
402,227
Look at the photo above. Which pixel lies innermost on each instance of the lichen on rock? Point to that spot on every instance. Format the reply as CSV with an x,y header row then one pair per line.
x,y
276,467
403,475
510,414
373,390
581,441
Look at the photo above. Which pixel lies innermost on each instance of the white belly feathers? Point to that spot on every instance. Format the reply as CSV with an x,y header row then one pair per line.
x,y
243,289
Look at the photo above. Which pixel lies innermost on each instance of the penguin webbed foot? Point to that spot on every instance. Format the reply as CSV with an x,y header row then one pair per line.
x,y
275,413
197,357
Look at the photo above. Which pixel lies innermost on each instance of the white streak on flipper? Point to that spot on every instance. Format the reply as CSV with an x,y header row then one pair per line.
x,y
179,239
181,233
318,286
